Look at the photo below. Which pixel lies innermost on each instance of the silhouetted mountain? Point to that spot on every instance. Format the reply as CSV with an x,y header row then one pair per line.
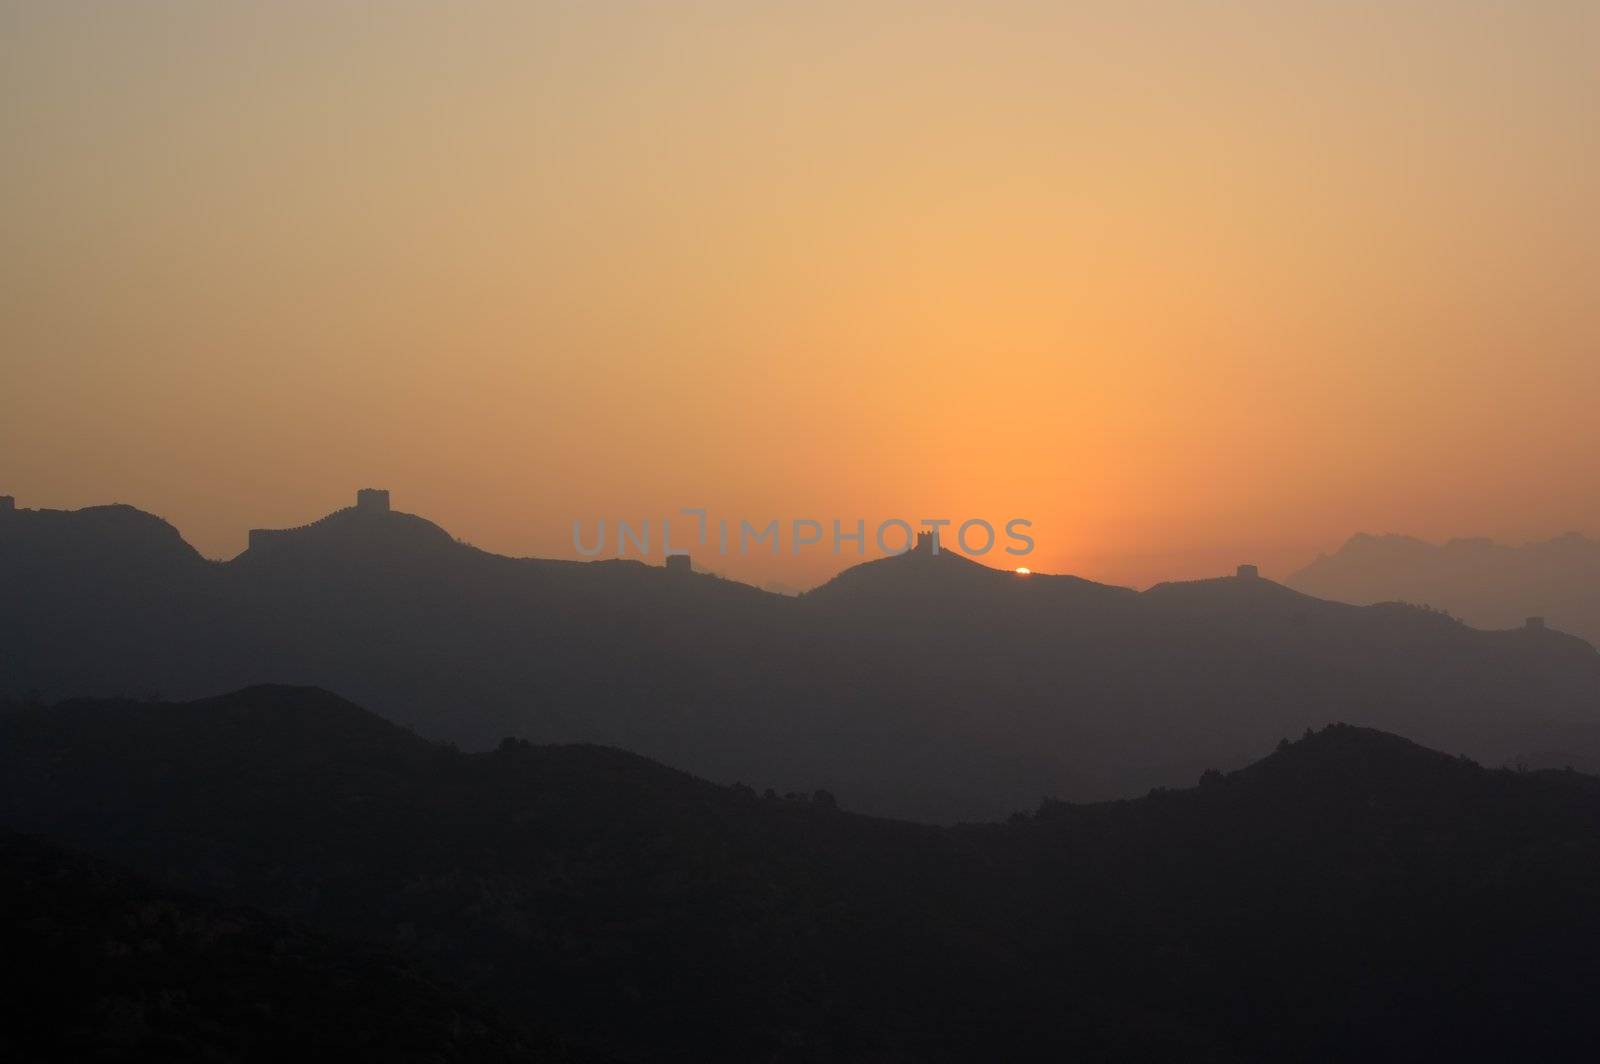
x,y
1486,584
948,582
918,685
106,967
1353,896
101,540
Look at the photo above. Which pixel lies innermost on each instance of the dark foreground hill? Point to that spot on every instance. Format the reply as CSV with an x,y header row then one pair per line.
x,y
1352,895
104,966
921,686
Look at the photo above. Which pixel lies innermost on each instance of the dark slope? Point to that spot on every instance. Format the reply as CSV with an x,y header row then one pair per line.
x,y
1487,584
107,967
1125,690
96,600
947,582
1351,895
100,540
923,686
1397,902
642,906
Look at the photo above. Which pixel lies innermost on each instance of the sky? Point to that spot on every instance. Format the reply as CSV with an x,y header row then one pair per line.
x,y
1184,285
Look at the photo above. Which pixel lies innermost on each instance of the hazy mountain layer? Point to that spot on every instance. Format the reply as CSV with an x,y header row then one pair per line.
x,y
923,686
1486,584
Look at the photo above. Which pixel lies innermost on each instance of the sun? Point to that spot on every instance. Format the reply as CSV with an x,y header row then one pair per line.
x,y
1023,570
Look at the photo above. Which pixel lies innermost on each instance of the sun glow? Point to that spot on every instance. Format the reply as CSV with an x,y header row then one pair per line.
x,y
1023,570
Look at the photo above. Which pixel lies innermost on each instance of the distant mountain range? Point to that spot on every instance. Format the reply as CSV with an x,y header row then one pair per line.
x,y
924,686
1486,584
1350,896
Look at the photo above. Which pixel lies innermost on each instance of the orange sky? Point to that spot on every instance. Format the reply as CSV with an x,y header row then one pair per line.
x,y
1185,284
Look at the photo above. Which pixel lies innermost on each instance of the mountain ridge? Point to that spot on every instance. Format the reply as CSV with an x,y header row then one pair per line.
x,y
1489,584
915,685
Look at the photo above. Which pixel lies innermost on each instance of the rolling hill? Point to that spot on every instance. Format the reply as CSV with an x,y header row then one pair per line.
x,y
921,686
1350,895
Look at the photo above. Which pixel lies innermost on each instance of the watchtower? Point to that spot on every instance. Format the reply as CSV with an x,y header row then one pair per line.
x,y
1534,624
1248,572
8,503
679,563
373,500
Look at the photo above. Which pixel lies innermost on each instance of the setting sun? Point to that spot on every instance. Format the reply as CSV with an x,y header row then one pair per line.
x,y
606,217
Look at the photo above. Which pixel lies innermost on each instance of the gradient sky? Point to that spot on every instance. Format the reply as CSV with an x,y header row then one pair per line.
x,y
1186,284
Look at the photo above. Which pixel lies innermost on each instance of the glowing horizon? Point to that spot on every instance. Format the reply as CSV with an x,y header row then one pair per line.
x,y
1186,288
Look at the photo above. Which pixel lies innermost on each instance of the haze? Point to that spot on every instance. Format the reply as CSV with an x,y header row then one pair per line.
x,y
1185,285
